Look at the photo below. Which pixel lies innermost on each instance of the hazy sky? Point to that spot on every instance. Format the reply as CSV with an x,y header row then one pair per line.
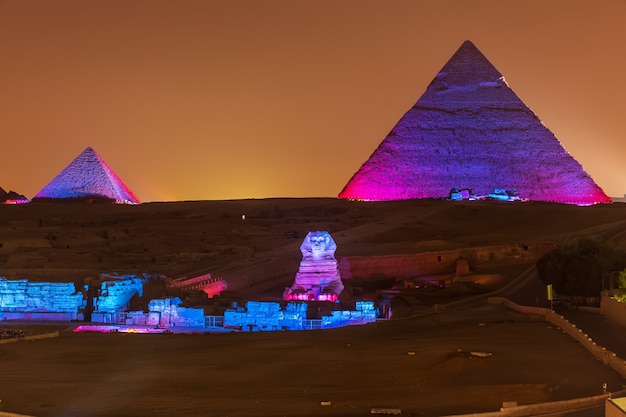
x,y
229,99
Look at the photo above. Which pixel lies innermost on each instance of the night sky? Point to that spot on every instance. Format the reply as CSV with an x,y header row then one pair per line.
x,y
230,99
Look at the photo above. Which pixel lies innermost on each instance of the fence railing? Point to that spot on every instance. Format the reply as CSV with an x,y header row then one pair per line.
x,y
214,321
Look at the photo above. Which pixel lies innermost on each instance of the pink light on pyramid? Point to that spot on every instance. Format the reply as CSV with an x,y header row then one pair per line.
x,y
470,130
88,176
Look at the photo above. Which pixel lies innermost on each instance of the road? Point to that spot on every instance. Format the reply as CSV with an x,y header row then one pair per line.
x,y
532,292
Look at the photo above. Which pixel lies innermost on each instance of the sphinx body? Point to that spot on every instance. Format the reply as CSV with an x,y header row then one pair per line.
x,y
318,277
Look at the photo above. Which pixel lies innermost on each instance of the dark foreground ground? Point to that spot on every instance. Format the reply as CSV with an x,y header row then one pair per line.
x,y
292,373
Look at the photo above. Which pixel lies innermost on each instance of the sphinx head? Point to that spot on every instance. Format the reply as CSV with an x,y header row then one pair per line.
x,y
318,245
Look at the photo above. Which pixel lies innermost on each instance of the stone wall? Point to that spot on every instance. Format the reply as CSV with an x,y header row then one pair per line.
x,y
22,299
268,316
607,357
437,262
562,407
116,292
550,408
172,314
365,312
615,407
212,286
613,309
24,296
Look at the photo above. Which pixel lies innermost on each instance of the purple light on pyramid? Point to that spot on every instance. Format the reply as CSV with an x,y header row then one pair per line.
x,y
470,130
88,176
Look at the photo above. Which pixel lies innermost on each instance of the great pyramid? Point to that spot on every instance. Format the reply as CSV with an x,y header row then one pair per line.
x,y
88,177
469,130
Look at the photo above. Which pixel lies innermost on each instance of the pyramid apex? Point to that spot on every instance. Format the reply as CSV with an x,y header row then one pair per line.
x,y
469,45
469,66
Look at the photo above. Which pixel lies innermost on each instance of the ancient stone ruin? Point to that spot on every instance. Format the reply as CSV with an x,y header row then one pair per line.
x,y
318,277
115,292
103,304
26,300
469,130
88,177
212,286
269,316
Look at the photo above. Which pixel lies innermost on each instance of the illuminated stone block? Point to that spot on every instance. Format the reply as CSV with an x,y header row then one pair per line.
x,y
469,130
318,277
173,314
365,306
266,316
365,313
116,292
19,299
212,286
88,176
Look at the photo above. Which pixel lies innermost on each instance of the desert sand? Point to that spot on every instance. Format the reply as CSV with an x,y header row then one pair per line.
x,y
44,241
291,373
422,364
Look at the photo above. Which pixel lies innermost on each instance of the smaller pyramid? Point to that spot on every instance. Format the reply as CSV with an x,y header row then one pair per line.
x,y
88,177
11,197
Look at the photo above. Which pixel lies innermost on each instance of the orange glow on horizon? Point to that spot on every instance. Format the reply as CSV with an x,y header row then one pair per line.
x,y
207,100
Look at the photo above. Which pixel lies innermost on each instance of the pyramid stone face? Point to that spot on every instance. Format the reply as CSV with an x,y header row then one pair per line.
x,y
470,130
88,176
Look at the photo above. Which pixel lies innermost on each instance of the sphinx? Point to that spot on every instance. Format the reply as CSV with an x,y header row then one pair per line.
x,y
318,277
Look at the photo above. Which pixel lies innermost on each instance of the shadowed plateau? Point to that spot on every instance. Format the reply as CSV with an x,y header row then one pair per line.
x,y
419,364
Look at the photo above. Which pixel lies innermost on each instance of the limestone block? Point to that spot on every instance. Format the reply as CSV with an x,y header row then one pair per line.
x,y
170,313
154,317
22,295
365,305
115,294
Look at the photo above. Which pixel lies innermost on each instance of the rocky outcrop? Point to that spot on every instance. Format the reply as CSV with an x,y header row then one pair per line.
x,y
470,130
440,262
